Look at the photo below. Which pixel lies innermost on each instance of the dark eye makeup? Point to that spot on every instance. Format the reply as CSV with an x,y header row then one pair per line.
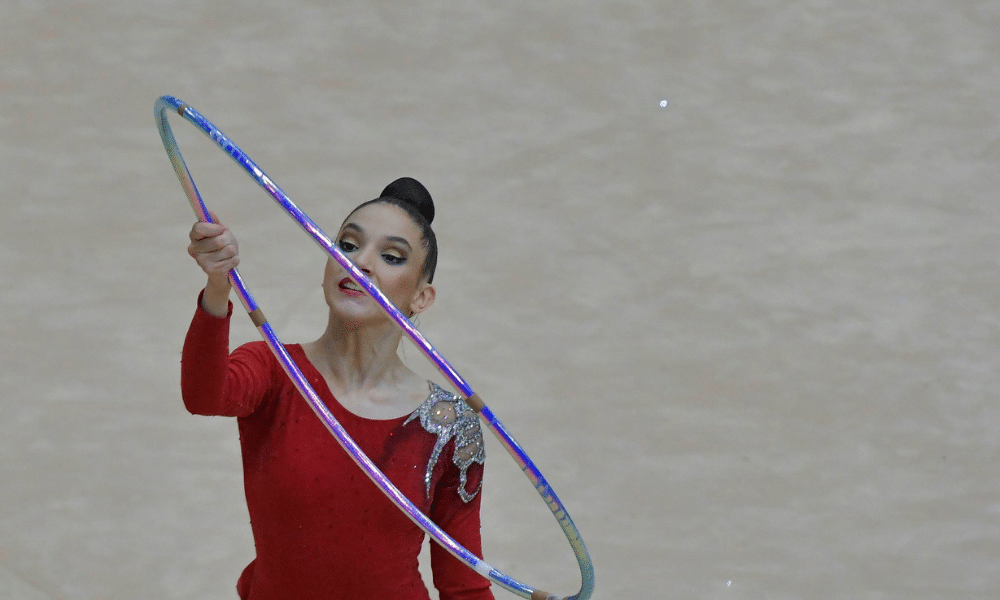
x,y
390,257
393,259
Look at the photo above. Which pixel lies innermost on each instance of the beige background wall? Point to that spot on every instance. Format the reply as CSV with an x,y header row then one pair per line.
x,y
750,338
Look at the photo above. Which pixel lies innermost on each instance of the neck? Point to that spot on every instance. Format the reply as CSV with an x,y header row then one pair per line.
x,y
358,357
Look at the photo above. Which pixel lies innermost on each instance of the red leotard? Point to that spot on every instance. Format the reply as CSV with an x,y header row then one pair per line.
x,y
322,530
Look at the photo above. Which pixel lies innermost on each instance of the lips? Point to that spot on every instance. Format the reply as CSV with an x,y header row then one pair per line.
x,y
350,288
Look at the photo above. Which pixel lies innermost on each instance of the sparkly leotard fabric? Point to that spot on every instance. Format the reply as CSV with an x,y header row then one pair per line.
x,y
322,530
449,418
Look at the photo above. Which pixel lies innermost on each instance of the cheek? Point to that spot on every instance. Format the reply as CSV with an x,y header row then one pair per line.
x,y
329,274
331,269
400,285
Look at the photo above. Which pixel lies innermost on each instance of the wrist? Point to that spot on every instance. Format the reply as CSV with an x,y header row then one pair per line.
x,y
215,298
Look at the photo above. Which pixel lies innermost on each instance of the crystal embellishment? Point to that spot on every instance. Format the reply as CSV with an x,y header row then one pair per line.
x,y
448,417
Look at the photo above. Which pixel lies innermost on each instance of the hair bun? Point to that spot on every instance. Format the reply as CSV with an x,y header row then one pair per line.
x,y
411,191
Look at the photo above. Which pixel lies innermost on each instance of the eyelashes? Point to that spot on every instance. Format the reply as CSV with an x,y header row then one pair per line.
x,y
391,257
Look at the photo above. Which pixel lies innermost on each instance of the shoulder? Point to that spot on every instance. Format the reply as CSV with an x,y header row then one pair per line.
x,y
256,350
449,418
257,355
446,414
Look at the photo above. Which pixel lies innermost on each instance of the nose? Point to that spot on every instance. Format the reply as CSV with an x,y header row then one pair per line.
x,y
363,260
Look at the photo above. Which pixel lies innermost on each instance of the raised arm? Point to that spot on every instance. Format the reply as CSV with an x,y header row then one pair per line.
x,y
215,250
213,382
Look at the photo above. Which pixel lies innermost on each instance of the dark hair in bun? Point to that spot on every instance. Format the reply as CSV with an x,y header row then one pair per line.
x,y
413,192
414,199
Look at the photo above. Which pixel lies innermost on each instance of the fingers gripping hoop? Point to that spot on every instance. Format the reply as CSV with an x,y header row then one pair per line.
x,y
167,104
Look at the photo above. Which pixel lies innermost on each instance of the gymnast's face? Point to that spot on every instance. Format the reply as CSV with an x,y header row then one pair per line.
x,y
386,244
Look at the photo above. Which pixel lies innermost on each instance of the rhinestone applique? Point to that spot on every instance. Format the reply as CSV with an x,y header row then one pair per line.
x,y
448,417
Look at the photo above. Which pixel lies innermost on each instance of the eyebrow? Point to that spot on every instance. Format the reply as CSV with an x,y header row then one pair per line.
x,y
392,238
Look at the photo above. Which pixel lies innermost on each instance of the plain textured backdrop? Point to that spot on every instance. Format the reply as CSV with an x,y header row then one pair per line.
x,y
750,338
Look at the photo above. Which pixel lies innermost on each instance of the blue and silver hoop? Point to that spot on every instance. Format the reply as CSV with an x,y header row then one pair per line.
x,y
167,104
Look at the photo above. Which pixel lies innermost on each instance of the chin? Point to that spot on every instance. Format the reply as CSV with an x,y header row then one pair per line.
x,y
355,317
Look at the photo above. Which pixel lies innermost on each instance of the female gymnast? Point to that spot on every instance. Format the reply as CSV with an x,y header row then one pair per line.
x,y
322,530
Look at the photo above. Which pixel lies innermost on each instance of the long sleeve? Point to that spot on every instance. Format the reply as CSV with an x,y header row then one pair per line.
x,y
461,520
215,383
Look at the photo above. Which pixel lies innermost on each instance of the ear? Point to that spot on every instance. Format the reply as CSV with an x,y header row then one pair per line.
x,y
423,299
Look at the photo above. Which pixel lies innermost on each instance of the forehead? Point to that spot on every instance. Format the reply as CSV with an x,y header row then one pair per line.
x,y
383,219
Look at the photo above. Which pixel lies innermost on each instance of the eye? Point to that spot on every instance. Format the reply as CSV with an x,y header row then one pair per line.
x,y
393,258
346,246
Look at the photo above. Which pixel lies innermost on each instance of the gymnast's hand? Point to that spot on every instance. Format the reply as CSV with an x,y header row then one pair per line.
x,y
215,250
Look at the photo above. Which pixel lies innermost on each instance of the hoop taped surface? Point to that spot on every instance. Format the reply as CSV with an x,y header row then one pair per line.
x,y
172,104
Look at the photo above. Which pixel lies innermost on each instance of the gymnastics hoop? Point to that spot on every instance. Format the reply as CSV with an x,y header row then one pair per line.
x,y
172,104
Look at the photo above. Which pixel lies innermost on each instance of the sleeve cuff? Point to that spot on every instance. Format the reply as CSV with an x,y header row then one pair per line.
x,y
204,313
